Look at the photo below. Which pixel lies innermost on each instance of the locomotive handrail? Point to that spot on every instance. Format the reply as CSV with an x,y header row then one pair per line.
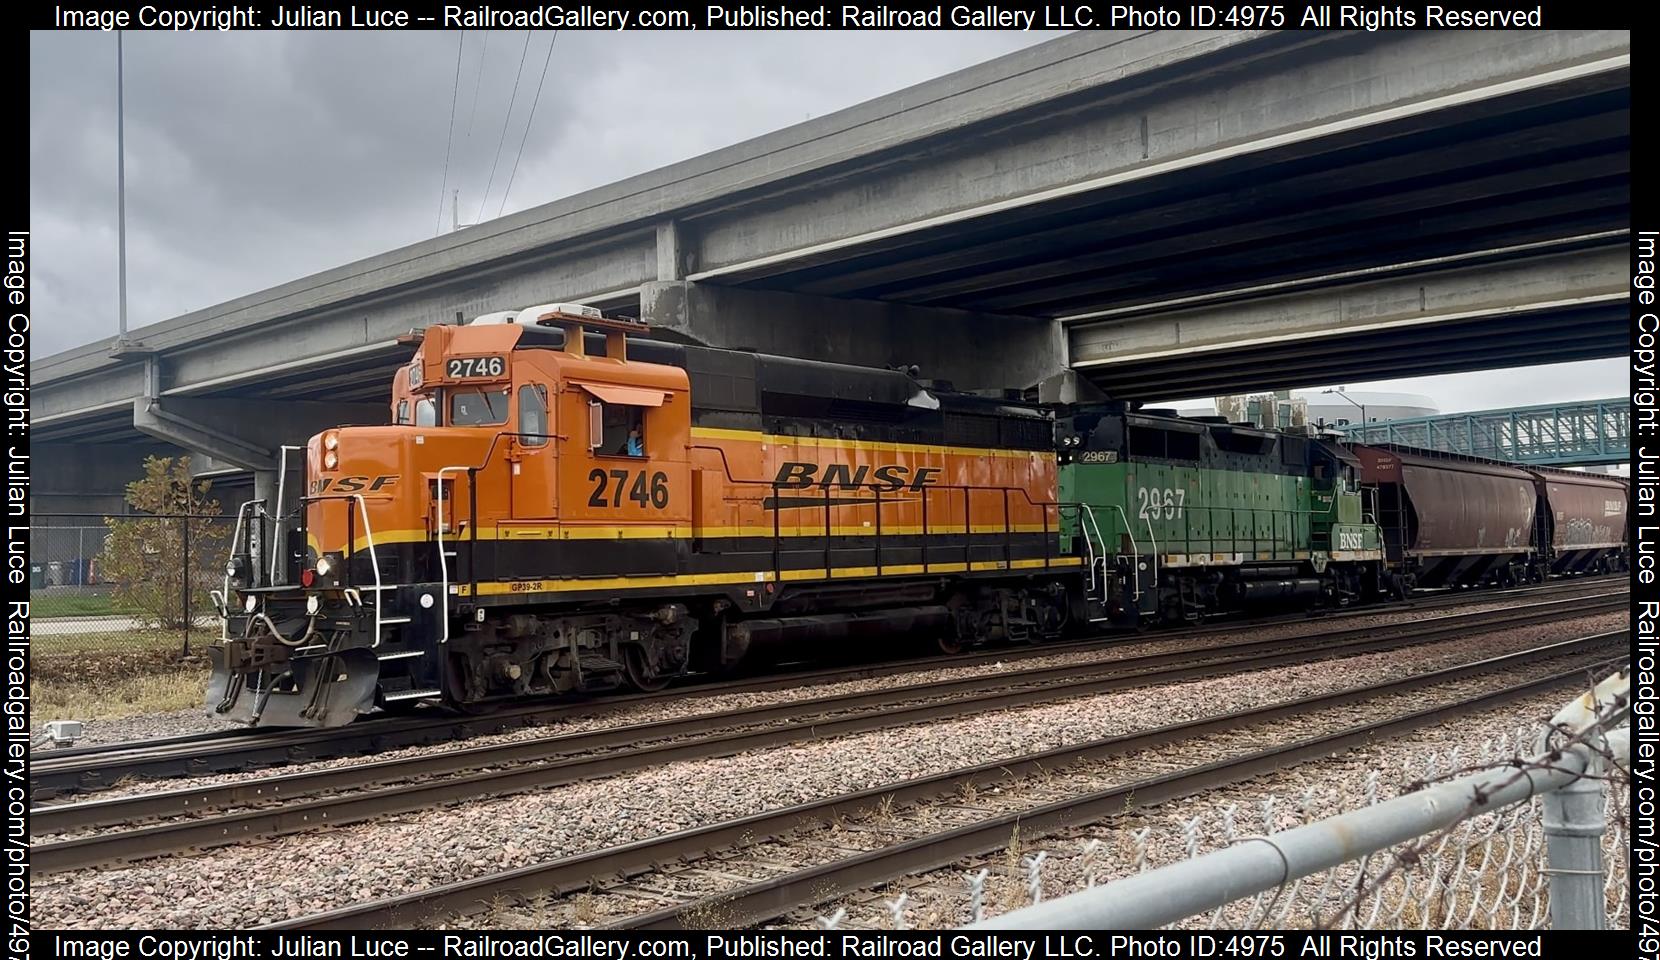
x,y
1155,541
1025,492
276,520
369,541
1135,570
236,538
443,564
1089,546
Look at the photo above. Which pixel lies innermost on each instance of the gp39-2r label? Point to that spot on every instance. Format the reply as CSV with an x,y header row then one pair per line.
x,y
474,368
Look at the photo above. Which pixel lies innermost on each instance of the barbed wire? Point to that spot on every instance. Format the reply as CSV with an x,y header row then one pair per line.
x,y
1592,735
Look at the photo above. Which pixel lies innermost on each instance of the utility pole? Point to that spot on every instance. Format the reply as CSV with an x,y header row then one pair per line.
x,y
121,185
124,346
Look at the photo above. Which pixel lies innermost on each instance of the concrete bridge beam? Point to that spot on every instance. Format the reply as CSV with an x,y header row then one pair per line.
x,y
1434,296
247,434
972,350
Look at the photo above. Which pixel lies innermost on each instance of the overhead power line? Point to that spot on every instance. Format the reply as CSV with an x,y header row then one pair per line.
x,y
538,99
483,57
449,141
484,201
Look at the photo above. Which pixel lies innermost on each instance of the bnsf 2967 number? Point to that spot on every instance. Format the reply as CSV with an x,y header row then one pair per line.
x,y
474,368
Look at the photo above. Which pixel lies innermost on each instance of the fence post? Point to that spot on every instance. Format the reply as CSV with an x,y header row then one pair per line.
x,y
1573,836
188,614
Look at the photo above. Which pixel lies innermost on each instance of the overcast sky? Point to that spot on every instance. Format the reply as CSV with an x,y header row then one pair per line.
x,y
256,158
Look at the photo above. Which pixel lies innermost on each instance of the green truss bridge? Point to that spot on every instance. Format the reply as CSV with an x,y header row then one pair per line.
x,y
1553,434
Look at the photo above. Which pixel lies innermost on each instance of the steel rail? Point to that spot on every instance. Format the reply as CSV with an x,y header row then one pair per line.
x,y
539,762
769,899
58,773
578,872
62,756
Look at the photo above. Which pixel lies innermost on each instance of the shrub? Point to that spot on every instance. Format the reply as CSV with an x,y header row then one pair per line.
x,y
144,557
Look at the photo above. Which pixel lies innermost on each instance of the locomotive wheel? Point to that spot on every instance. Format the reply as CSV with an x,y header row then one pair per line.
x,y
640,674
949,643
454,700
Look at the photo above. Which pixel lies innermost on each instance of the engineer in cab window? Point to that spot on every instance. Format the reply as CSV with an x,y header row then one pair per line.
x,y
624,431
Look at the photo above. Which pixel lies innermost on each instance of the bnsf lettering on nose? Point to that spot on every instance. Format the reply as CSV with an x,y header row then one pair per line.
x,y
886,477
351,484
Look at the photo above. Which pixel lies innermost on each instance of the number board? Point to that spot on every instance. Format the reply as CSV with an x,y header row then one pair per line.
x,y
1098,456
475,368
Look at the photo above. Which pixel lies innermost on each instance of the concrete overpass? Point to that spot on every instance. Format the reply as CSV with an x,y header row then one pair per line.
x,y
1165,212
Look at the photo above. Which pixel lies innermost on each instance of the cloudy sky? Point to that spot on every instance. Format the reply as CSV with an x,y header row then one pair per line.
x,y
256,158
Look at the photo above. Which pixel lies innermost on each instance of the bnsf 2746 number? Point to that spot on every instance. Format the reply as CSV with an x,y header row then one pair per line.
x,y
474,368
642,492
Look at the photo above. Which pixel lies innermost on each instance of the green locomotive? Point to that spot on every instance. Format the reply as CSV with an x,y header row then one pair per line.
x,y
1178,518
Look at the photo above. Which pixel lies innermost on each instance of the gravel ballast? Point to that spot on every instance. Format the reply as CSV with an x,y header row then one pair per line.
x,y
317,871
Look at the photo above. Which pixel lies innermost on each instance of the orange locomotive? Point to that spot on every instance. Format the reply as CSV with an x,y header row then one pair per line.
x,y
557,507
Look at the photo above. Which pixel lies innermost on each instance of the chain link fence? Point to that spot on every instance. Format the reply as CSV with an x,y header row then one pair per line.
x,y
124,585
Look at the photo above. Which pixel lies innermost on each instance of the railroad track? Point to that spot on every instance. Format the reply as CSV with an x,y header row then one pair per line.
x,y
622,867
340,795
76,770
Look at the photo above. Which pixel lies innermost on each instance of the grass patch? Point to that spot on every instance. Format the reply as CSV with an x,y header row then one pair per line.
x,y
75,602
137,678
116,645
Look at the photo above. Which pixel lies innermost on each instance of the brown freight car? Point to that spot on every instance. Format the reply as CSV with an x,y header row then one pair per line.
x,y
1581,521
1450,520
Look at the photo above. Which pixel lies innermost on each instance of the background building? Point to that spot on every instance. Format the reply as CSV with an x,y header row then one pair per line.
x,y
1337,407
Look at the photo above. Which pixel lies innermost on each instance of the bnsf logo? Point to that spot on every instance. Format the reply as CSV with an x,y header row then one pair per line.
x,y
886,477
351,484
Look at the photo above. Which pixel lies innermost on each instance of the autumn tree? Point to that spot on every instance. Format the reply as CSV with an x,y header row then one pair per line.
x,y
145,557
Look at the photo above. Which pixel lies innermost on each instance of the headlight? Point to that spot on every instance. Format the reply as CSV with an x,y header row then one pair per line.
x,y
250,603
230,569
313,604
331,441
323,566
330,460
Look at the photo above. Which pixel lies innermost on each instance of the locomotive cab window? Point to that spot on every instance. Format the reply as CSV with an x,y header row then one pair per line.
x,y
617,429
533,415
403,411
426,413
478,408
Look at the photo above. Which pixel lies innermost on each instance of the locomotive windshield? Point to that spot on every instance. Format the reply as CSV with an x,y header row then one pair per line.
x,y
477,408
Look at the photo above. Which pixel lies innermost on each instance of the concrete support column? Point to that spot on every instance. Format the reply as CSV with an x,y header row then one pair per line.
x,y
265,488
671,264
972,350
